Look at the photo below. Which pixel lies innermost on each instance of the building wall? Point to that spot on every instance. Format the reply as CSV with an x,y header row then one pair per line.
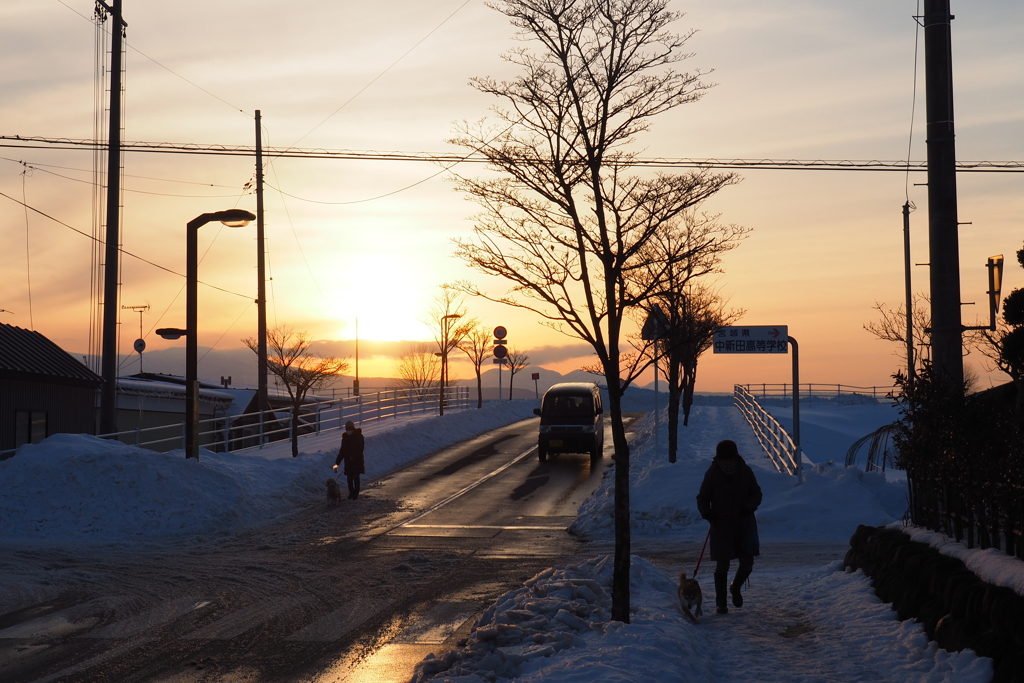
x,y
69,409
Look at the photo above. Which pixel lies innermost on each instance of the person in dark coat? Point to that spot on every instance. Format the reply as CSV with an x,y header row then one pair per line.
x,y
351,452
728,497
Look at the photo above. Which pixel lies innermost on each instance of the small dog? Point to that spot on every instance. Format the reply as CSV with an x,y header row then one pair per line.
x,y
333,492
690,597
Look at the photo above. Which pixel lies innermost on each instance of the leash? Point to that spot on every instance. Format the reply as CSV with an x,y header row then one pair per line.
x,y
701,558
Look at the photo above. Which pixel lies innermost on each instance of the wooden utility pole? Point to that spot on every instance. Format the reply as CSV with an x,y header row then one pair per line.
x,y
943,237
908,293
111,269
261,276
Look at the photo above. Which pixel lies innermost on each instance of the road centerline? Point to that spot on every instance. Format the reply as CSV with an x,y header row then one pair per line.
x,y
468,488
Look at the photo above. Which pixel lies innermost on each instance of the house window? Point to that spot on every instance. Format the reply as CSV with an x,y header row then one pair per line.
x,y
29,427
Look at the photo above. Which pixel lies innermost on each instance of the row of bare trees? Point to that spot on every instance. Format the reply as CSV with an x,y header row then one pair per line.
x,y
425,366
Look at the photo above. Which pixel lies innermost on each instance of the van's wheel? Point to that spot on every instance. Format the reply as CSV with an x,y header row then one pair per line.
x,y
542,455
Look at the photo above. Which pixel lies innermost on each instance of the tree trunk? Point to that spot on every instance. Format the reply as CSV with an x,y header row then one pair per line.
x,y
620,574
295,430
689,382
479,390
511,376
673,410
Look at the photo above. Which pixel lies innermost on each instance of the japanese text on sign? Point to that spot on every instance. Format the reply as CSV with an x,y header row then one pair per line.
x,y
752,339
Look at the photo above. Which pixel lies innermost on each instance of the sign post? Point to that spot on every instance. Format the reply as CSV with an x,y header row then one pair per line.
x,y
656,327
760,339
536,386
500,352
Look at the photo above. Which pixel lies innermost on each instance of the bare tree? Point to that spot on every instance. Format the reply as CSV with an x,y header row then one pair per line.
x,y
564,222
450,325
477,346
517,360
892,326
419,370
301,372
693,318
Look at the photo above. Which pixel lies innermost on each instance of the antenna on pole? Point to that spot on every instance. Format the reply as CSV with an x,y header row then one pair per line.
x,y
140,343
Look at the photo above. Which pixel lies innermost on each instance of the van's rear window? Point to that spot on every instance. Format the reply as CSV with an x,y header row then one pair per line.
x,y
568,406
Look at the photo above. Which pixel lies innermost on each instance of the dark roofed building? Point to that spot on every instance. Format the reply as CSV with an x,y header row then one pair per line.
x,y
43,389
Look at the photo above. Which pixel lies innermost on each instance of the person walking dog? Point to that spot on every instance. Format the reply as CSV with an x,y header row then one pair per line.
x,y
351,452
728,497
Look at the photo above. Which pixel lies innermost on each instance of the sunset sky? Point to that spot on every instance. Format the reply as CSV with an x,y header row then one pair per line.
x,y
796,79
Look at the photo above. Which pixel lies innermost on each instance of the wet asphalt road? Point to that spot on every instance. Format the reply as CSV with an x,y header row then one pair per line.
x,y
358,592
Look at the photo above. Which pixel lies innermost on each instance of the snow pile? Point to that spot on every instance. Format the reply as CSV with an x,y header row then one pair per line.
x,y
824,624
829,427
76,488
558,627
828,506
990,565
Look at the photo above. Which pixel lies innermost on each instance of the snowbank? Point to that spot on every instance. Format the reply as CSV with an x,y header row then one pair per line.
x,y
557,628
828,506
76,488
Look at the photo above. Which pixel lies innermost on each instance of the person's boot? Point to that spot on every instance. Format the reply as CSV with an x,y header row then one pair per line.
x,y
720,594
737,583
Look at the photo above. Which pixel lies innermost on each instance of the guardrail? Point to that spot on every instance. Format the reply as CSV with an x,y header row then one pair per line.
x,y
776,441
257,429
817,390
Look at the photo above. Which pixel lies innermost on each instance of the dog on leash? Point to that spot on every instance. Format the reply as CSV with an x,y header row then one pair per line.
x,y
690,598
333,491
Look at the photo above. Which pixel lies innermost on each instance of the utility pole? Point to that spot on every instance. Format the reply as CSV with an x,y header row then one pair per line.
x,y
909,293
261,275
943,237
111,269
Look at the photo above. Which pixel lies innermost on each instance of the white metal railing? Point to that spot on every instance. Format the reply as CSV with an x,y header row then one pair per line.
x,y
257,429
785,391
776,441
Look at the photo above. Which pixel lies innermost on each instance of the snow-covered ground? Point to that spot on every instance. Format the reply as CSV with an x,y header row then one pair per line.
x,y
73,489
801,622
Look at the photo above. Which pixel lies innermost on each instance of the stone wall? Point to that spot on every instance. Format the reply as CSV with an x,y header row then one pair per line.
x,y
957,609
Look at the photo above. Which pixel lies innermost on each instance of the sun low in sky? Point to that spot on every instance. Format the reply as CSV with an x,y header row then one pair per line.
x,y
371,239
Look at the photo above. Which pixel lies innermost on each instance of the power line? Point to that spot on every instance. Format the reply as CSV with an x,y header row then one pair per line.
x,y
378,76
43,167
123,251
875,165
95,184
166,68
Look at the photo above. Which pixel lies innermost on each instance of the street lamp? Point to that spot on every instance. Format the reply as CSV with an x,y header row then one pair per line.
x,y
233,218
446,328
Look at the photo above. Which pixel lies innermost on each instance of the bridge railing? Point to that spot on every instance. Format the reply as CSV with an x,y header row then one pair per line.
x,y
774,439
785,391
257,429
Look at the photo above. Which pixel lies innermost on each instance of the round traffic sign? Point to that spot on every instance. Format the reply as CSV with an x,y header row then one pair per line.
x,y
140,345
500,351
500,332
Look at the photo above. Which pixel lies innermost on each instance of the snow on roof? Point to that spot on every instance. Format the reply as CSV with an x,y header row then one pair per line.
x,y
135,386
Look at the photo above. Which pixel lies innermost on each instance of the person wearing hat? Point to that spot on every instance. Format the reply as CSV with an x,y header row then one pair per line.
x,y
351,452
728,497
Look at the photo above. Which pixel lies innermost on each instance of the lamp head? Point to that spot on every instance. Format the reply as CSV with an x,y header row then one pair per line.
x,y
171,333
235,218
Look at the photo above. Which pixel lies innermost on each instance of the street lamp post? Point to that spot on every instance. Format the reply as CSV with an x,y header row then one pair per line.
x,y
234,218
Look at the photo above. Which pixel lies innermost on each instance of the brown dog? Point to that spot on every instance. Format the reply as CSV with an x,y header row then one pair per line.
x,y
333,492
690,597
